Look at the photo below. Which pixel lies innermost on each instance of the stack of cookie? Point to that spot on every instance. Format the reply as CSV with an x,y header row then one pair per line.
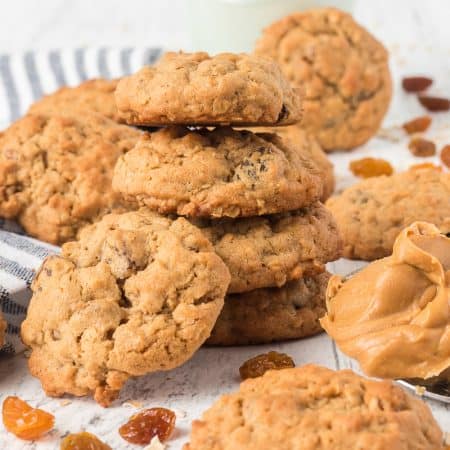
x,y
141,290
255,196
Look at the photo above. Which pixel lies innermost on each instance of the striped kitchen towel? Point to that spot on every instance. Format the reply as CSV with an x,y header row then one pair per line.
x,y
24,78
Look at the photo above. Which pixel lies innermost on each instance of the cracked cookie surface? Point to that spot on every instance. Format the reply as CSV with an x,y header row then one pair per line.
x,y
342,69
96,95
271,250
272,314
198,89
218,173
56,171
309,147
315,408
137,293
371,213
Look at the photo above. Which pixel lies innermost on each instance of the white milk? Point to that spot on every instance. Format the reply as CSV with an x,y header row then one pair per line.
x,y
234,25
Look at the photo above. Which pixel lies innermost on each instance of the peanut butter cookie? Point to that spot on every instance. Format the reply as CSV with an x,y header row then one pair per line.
x,y
271,250
198,89
95,95
137,293
217,173
371,213
315,408
272,314
56,171
342,69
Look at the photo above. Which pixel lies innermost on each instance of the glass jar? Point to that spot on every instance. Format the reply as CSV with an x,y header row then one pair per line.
x,y
234,25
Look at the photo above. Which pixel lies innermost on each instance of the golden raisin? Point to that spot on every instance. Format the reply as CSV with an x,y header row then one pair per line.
x,y
83,441
144,426
422,147
417,125
257,366
371,167
445,155
24,421
426,165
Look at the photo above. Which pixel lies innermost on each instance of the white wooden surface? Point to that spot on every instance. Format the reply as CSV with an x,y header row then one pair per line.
x,y
418,36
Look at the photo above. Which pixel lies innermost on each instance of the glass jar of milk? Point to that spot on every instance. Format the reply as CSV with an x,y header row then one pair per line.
x,y
235,25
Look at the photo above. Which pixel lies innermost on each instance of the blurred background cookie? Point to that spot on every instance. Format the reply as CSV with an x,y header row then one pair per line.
x,y
341,69
96,95
371,213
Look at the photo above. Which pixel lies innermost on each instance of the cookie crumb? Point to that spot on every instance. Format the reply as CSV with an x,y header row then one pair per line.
x,y
391,134
65,402
133,403
420,390
447,438
156,444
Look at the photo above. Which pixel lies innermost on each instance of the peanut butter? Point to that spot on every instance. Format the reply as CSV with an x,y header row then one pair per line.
x,y
394,315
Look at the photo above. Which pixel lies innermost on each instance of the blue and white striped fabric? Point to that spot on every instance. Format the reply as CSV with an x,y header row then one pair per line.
x,y
24,78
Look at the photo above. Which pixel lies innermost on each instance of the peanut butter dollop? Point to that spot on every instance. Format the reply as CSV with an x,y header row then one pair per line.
x,y
394,315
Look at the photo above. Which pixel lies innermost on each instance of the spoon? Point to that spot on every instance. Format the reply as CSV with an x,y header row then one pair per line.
x,y
439,390
436,390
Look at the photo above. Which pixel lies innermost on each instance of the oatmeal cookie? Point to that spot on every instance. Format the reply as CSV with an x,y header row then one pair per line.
x,y
312,407
95,95
56,171
198,89
137,293
342,69
371,213
271,250
217,173
272,314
